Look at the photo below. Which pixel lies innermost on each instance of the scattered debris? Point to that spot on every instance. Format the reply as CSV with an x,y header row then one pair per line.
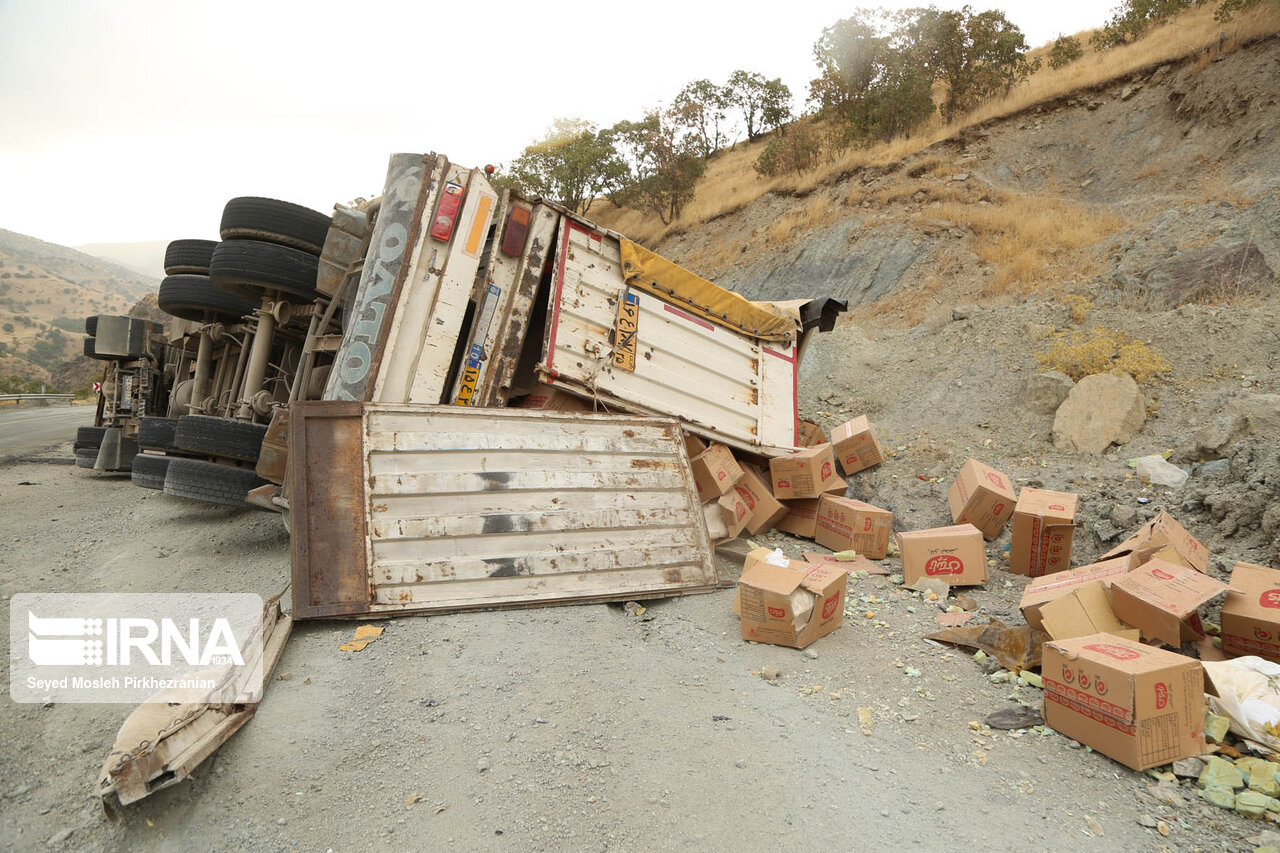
x,y
1014,717
365,634
1015,648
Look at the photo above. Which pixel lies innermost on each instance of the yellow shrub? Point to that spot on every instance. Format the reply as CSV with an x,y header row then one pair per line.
x,y
1101,351
1078,306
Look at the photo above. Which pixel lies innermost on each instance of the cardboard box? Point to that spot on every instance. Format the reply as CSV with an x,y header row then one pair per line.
x,y
856,446
845,524
983,497
1251,612
1139,705
953,554
790,605
801,518
1084,610
715,472
1043,529
807,473
811,434
736,512
1164,600
694,445
553,399
1165,538
1052,587
766,510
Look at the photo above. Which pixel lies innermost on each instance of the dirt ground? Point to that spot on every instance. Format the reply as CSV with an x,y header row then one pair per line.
x,y
588,727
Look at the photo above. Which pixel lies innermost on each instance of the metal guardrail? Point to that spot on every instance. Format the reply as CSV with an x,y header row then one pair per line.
x,y
20,397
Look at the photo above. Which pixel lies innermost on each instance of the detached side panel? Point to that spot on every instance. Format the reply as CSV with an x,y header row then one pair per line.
x,y
327,522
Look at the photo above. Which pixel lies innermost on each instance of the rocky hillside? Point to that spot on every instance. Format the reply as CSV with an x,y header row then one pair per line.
x,y
46,291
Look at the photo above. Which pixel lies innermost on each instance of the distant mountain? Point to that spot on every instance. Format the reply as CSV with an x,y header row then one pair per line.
x,y
145,258
46,291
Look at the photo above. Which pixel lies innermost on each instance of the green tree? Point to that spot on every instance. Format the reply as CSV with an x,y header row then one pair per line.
x,y
977,55
872,82
797,151
699,109
573,164
765,104
1065,50
662,167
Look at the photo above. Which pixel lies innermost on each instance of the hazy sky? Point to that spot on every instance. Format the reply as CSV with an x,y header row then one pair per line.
x,y
132,120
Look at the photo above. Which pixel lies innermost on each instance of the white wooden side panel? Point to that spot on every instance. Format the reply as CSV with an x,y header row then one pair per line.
x,y
484,507
705,374
780,384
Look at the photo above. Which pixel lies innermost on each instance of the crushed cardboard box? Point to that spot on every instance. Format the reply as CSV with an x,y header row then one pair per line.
x,y
715,472
552,399
1164,599
1165,538
845,524
855,445
955,554
1042,590
807,473
1083,610
1139,705
766,510
801,518
792,604
1043,530
983,497
811,434
1251,612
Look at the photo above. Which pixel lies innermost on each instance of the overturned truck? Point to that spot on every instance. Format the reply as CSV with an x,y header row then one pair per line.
x,y
405,492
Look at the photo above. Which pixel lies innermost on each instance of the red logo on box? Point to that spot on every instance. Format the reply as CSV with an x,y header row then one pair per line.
x,y
867,524
829,606
740,510
1101,687
746,497
826,470
1162,695
1114,651
1068,674
944,564
777,612
1058,507
1270,598
720,475
1162,574
784,484
1084,680
1262,633
997,479
998,508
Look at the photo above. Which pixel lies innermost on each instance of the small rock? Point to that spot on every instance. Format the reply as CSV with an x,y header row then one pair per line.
x,y
282,822
1216,466
811,654
1252,805
740,764
1223,798
960,176
1225,428
1216,727
770,673
1220,773
1102,409
1044,392
938,225
1094,826
1128,92
967,602
60,837
1162,828
1188,768
1148,821
483,765
963,312
1124,516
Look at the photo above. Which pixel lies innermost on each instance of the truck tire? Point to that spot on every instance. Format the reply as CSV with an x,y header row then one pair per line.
x,y
149,470
272,221
86,457
91,325
210,436
87,437
248,267
188,297
188,257
156,433
208,481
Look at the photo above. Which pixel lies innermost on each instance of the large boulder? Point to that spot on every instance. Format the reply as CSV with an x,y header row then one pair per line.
x,y
1044,392
1102,410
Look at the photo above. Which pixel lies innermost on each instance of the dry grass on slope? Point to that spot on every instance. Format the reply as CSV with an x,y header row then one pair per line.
x,y
731,182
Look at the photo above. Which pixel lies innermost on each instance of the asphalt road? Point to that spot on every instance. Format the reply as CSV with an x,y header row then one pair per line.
x,y
26,429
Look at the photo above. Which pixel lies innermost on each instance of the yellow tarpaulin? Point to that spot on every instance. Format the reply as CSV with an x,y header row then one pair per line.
x,y
655,274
